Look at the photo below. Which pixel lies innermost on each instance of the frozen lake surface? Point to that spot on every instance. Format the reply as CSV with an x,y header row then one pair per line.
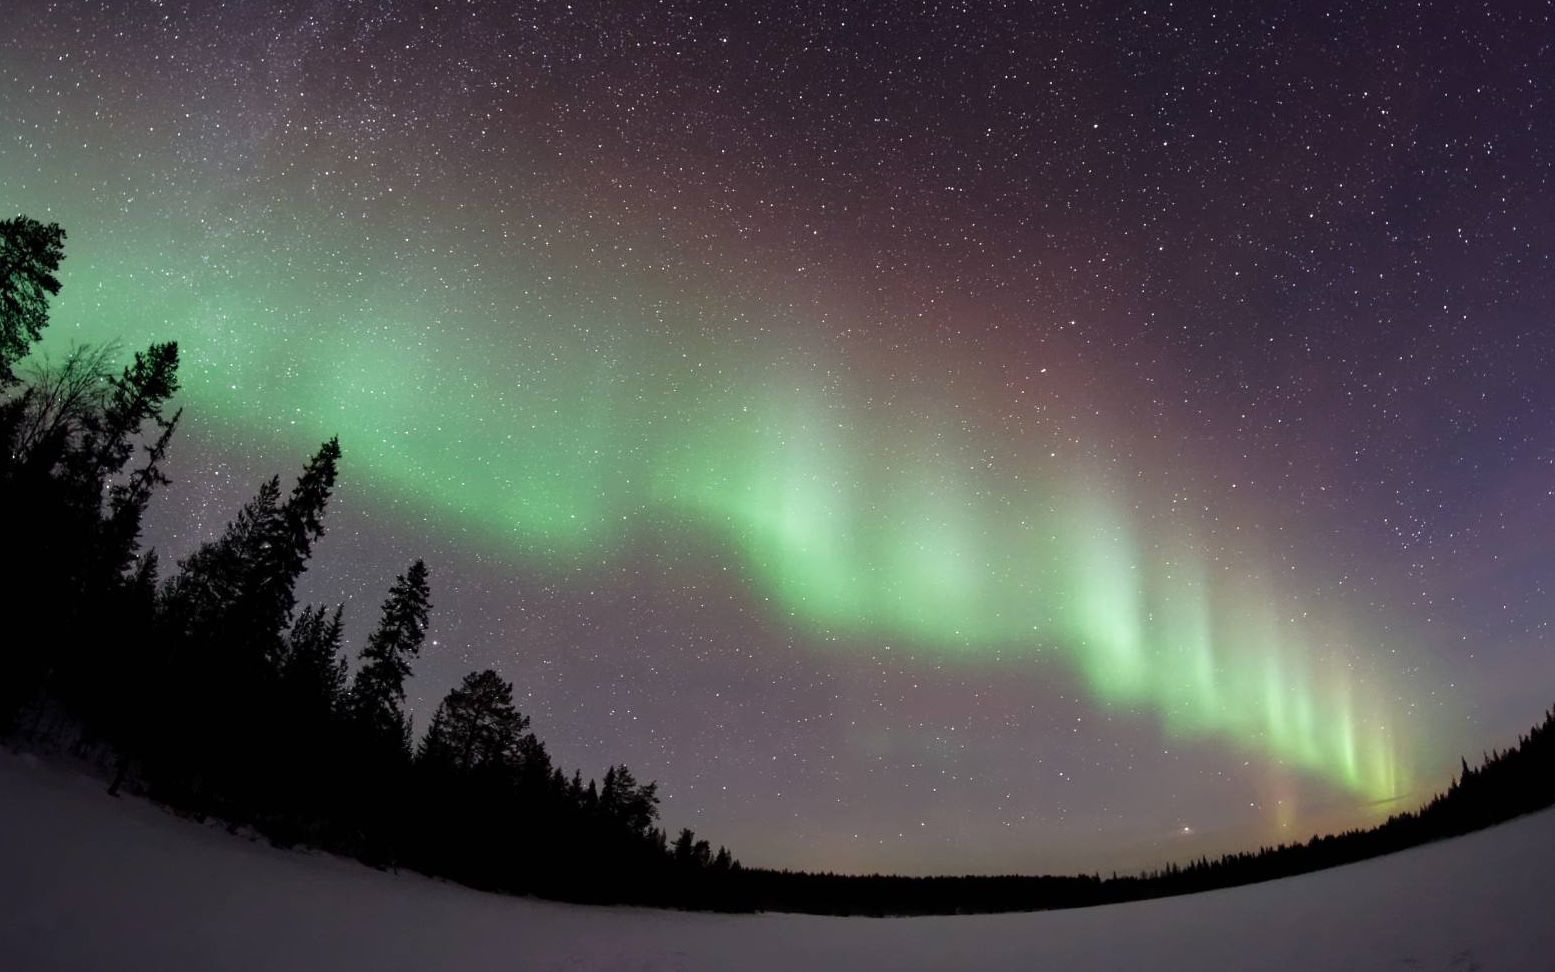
x,y
92,882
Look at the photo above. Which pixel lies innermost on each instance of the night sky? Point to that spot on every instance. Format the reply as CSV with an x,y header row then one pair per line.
x,y
923,437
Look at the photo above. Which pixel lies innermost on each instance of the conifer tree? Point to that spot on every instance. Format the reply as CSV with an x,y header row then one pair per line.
x,y
624,800
476,727
127,402
313,672
127,501
81,426
683,846
378,692
534,764
212,696
30,253
201,599
235,594
284,551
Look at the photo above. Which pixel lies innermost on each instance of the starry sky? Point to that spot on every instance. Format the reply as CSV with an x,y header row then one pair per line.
x,y
930,437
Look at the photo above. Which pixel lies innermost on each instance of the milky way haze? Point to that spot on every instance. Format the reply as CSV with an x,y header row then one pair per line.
x,y
931,439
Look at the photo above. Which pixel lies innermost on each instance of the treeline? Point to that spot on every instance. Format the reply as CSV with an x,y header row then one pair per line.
x,y
1505,785
214,692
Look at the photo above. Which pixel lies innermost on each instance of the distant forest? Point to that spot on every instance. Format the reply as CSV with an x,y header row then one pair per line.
x,y
212,691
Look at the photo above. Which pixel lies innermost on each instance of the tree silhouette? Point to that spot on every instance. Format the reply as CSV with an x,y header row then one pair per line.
x,y
225,616
204,601
476,727
377,696
131,399
211,692
30,253
302,524
68,437
216,665
306,742
634,805
313,673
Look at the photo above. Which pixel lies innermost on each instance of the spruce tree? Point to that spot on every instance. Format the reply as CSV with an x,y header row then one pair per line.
x,y
313,672
377,696
235,594
30,253
127,501
227,614
201,600
624,800
534,765
284,551
215,685
127,401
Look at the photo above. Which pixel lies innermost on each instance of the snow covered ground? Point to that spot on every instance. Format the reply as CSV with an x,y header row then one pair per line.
x,y
90,882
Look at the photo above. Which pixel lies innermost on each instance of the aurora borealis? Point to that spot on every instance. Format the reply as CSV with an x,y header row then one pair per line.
x,y
924,439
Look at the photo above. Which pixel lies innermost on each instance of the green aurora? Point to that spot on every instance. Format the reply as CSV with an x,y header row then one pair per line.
x,y
558,430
